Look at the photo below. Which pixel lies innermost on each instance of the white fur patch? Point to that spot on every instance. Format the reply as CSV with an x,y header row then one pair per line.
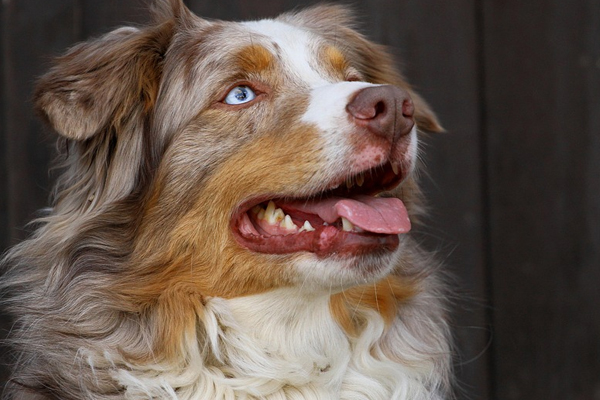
x,y
296,48
285,345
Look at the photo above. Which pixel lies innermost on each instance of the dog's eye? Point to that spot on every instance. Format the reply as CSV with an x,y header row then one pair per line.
x,y
240,95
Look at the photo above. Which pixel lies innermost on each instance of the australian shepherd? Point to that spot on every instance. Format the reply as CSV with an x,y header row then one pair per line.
x,y
232,220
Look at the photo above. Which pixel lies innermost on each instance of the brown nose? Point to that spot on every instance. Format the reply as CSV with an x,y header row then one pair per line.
x,y
386,111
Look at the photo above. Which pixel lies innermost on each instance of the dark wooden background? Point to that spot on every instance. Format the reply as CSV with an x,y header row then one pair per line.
x,y
514,186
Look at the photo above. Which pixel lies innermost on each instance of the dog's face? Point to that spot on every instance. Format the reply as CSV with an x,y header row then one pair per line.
x,y
259,154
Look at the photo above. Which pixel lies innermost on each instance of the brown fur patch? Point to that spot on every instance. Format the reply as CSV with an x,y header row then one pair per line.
x,y
198,246
335,62
254,58
385,297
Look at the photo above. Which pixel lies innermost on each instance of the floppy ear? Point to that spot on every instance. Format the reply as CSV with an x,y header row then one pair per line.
x,y
337,23
102,82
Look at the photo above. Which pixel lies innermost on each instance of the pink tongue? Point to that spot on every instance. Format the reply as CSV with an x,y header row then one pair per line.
x,y
373,214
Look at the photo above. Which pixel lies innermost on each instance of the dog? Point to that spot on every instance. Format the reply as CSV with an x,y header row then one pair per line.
x,y
232,220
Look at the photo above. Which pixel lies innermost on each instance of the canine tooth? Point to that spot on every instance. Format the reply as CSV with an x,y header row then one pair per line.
x,y
360,179
347,225
270,208
349,183
273,215
395,169
261,214
288,224
306,227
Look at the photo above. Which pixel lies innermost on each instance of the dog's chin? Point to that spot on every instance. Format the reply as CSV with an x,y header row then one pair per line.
x,y
336,273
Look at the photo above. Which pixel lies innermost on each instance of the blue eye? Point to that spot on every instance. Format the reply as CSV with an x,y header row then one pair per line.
x,y
240,95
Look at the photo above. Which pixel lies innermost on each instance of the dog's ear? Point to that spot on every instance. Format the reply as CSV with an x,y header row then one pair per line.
x,y
110,79
175,10
103,82
338,24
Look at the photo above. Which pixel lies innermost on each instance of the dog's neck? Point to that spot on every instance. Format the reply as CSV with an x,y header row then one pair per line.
x,y
292,332
285,344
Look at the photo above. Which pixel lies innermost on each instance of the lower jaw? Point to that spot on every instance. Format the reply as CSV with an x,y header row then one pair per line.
x,y
326,242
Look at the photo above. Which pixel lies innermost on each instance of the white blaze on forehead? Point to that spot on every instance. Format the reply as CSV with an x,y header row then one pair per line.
x,y
298,48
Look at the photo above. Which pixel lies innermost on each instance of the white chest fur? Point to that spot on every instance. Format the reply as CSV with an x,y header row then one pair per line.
x,y
286,345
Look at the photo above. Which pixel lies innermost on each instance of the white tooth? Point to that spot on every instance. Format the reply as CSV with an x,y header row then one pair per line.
x,y
288,224
261,214
270,208
360,179
347,225
273,215
395,169
306,227
278,216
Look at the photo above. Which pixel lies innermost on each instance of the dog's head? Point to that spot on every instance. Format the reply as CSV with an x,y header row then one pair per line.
x,y
233,158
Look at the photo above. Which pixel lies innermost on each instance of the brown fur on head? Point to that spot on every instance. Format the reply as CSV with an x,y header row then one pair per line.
x,y
140,233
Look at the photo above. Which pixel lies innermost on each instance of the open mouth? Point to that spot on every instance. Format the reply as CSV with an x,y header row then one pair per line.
x,y
350,218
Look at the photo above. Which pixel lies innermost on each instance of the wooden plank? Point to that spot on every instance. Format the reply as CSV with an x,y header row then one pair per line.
x,y
5,322
4,239
34,30
236,9
31,31
543,100
99,17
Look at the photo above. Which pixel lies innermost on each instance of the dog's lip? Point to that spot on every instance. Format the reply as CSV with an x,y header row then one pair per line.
x,y
324,240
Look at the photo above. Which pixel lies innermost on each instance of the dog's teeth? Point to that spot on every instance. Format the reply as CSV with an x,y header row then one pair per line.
x,y
307,227
360,179
270,208
347,225
273,215
349,183
395,169
288,224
